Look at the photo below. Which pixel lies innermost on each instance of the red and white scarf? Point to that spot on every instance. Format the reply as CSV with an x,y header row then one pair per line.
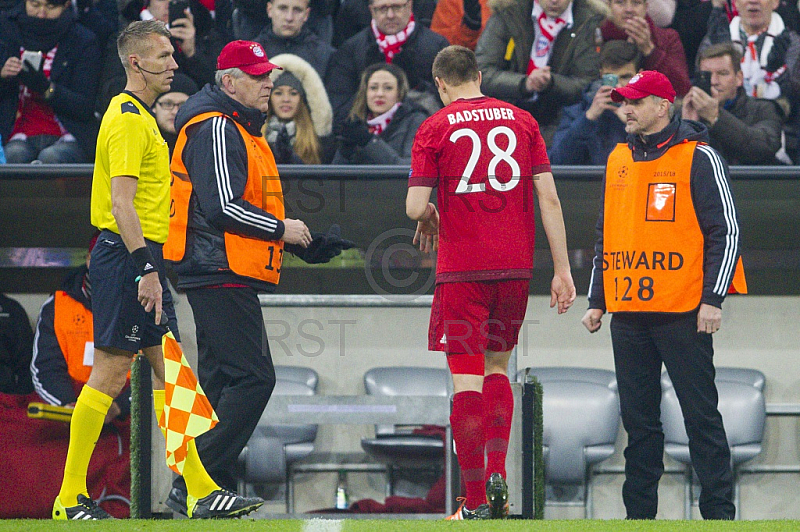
x,y
391,45
381,122
759,83
546,30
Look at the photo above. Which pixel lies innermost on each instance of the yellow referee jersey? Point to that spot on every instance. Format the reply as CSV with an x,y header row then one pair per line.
x,y
129,143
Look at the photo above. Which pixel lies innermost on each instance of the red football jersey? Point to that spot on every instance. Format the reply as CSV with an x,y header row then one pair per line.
x,y
482,153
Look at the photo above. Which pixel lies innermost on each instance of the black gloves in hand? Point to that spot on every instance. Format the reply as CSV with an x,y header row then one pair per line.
x,y
472,14
35,80
777,56
324,247
282,147
355,132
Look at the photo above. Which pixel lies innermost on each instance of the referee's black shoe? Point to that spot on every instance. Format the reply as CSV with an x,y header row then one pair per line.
x,y
221,504
85,510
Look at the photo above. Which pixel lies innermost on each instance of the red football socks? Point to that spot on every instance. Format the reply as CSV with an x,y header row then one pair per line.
x,y
468,433
498,405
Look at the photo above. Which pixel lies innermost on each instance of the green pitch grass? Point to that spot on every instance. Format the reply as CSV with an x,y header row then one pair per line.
x,y
317,525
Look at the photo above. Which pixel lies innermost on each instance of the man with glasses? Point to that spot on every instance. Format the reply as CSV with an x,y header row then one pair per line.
x,y
661,47
167,105
392,37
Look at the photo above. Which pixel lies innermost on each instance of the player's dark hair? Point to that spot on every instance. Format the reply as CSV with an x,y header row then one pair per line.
x,y
455,65
616,54
721,50
359,111
136,37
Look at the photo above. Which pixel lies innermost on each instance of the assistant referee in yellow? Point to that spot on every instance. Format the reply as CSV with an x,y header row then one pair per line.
x,y
130,205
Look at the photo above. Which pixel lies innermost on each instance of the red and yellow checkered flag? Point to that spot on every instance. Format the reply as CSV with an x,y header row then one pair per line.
x,y
187,412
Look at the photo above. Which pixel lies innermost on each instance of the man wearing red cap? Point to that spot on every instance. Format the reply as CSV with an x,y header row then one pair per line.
x,y
227,237
666,255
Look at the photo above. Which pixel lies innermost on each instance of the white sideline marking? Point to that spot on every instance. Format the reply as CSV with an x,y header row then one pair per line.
x,y
322,525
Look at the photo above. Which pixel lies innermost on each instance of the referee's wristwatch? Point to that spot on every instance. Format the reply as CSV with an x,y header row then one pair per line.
x,y
50,90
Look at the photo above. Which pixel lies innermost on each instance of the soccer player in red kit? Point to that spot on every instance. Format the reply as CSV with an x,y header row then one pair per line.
x,y
486,157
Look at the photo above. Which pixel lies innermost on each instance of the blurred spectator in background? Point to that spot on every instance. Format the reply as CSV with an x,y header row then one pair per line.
x,y
300,118
590,129
16,341
771,58
355,15
382,123
767,44
461,21
195,38
167,104
286,33
540,56
2,153
63,349
99,16
393,37
48,84
250,18
661,12
691,21
744,130
661,47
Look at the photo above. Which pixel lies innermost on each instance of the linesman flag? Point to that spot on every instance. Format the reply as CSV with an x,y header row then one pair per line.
x,y
187,412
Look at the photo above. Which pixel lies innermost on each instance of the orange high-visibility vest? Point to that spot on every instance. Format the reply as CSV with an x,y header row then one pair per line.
x,y
247,256
652,242
74,329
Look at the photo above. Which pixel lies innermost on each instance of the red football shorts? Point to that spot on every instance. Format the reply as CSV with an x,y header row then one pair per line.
x,y
469,318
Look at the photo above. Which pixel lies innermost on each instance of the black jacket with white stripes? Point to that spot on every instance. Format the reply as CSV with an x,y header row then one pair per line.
x,y
713,204
216,160
49,370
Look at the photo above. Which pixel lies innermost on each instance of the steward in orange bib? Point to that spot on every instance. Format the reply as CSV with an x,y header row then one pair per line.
x,y
666,256
227,236
63,348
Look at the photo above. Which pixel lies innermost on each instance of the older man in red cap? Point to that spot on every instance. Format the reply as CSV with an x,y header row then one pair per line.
x,y
666,256
227,236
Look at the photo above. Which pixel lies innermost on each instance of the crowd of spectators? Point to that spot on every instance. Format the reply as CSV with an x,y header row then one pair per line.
x,y
358,82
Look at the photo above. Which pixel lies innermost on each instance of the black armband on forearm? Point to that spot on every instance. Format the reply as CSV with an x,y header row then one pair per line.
x,y
145,263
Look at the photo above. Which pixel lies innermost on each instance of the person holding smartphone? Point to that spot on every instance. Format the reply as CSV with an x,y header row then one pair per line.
x,y
48,83
195,38
743,129
590,129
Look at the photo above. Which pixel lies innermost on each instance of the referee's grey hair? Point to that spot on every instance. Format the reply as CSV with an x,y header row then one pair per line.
x,y
232,72
135,38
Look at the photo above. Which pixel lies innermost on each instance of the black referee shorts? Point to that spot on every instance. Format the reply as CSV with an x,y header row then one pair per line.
x,y
119,319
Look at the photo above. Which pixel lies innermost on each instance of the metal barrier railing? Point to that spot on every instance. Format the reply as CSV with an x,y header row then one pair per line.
x,y
575,173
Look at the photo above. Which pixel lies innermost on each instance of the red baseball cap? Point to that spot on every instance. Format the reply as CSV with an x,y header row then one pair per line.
x,y
645,83
247,56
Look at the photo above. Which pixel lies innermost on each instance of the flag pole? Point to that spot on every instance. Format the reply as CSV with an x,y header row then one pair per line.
x,y
141,430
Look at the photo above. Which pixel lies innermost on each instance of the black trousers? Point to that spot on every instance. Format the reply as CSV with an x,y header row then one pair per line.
x,y
642,341
235,370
